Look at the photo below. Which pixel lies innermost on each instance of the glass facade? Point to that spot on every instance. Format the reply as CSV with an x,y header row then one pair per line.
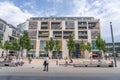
x,y
33,44
56,55
42,52
31,54
56,25
77,51
33,25
94,34
32,34
2,30
70,24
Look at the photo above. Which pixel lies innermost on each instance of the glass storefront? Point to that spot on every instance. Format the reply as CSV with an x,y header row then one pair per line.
x,y
43,54
57,54
77,51
31,54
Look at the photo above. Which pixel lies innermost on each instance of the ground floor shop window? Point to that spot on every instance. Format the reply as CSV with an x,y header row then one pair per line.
x,y
43,54
56,55
31,54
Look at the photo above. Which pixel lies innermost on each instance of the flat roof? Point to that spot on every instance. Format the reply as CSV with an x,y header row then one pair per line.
x,y
62,18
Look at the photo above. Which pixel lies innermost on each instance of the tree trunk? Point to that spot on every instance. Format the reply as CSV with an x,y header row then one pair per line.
x,y
83,54
102,54
57,58
6,53
24,53
50,54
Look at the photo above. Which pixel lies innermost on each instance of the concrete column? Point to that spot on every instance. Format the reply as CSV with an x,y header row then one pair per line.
x,y
63,25
27,25
65,52
39,25
89,36
37,48
76,30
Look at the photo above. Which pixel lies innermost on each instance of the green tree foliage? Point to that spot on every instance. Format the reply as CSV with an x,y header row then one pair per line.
x,y
57,47
25,41
71,45
7,46
82,48
51,44
88,47
47,46
15,45
100,44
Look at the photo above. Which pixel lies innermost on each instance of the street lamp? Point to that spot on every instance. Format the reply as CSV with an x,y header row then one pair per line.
x,y
113,44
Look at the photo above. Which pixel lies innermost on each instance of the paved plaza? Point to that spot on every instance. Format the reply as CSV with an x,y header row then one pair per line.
x,y
35,71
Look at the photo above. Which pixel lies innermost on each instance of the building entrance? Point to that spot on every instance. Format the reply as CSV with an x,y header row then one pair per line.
x,y
77,51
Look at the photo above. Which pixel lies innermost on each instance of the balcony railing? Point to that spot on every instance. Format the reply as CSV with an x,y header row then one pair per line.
x,y
57,34
82,24
80,34
43,35
44,25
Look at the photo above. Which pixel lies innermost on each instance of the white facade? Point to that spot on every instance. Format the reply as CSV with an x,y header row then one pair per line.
x,y
8,32
41,29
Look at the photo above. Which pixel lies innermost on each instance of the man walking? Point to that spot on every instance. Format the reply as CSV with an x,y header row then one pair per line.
x,y
46,63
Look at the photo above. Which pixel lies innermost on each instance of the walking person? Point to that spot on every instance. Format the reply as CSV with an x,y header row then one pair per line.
x,y
46,64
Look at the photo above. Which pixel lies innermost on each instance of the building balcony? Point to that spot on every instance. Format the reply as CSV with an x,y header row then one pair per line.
x,y
44,25
56,27
67,34
43,35
57,34
80,34
69,27
83,37
82,25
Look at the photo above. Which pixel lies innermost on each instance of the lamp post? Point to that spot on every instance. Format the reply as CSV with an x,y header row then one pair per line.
x,y
113,44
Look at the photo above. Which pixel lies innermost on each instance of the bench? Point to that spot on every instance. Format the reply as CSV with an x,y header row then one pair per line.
x,y
93,64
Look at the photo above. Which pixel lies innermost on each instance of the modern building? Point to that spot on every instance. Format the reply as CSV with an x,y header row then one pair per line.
x,y
41,29
109,47
21,27
7,32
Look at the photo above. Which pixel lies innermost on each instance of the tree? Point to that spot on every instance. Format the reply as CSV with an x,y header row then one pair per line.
x,y
15,45
57,47
25,41
47,46
88,47
71,45
7,46
101,45
51,46
82,48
